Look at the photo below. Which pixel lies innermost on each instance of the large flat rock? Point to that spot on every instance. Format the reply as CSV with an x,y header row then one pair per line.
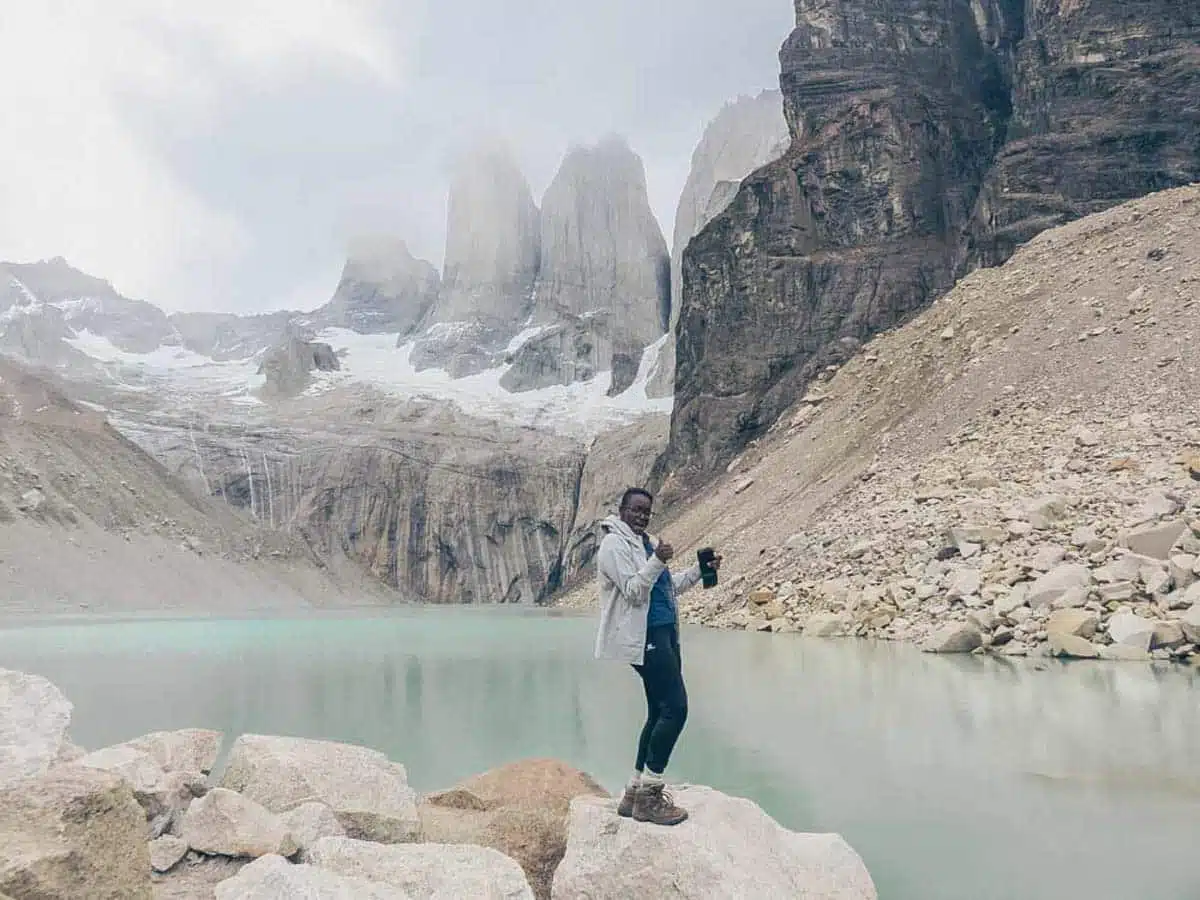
x,y
73,833
33,727
367,792
225,823
727,848
274,878
426,871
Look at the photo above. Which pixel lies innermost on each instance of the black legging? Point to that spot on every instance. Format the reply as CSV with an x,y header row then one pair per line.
x,y
666,698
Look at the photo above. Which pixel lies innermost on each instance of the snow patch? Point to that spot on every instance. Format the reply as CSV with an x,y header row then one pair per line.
x,y
583,408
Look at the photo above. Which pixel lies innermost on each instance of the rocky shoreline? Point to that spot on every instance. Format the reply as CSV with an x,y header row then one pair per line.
x,y
154,818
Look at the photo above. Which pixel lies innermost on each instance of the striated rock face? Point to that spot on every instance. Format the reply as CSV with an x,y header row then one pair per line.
x,y
620,459
748,133
492,242
928,137
1106,108
443,507
602,249
894,113
383,289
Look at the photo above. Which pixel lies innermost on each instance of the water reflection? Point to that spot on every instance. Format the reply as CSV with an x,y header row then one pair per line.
x,y
955,777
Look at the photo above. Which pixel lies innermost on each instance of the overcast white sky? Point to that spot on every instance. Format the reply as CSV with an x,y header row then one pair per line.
x,y
218,154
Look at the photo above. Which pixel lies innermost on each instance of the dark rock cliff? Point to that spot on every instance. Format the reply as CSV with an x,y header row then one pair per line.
x,y
929,136
1106,107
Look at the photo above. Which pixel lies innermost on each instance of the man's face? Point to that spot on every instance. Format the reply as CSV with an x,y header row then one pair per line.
x,y
636,513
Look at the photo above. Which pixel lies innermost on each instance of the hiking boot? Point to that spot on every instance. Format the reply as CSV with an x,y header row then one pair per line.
x,y
653,804
625,807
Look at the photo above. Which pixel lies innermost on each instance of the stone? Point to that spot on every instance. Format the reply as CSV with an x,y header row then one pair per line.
x,y
1056,582
1123,653
1183,570
1131,630
163,795
1079,622
825,625
964,583
309,822
1117,592
1167,634
1044,512
954,638
728,848
547,784
288,367
166,852
519,809
33,728
444,871
1016,598
1190,623
1086,539
1156,580
1072,599
762,596
1155,541
983,619
1158,506
1071,646
188,750
368,793
225,823
73,833
274,878
1047,557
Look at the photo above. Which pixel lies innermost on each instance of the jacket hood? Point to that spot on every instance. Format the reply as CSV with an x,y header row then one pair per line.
x,y
613,524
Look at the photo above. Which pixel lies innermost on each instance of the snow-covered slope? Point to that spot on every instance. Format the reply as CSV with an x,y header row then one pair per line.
x,y
132,347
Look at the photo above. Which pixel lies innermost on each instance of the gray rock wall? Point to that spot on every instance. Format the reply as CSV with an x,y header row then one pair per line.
x,y
602,249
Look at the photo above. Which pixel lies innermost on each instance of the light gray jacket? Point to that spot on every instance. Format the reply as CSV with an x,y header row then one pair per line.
x,y
626,578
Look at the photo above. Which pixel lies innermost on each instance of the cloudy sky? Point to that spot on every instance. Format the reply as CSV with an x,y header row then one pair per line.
x,y
220,154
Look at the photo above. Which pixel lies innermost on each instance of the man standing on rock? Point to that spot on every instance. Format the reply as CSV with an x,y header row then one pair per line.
x,y
639,624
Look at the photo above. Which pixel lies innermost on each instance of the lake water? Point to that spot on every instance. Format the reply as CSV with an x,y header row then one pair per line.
x,y
955,778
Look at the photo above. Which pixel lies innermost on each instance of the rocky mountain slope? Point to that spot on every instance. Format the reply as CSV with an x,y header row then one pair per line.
x,y
88,521
929,137
1017,468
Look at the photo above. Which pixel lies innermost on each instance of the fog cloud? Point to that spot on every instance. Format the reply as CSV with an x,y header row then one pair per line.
x,y
220,155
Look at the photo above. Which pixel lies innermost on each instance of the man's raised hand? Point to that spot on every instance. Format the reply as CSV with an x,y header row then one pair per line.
x,y
664,551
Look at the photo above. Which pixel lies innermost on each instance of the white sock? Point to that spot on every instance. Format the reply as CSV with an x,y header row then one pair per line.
x,y
635,779
652,777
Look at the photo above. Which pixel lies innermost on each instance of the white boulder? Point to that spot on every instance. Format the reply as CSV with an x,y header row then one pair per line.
x,y
73,833
728,848
224,823
33,726
274,878
427,871
188,750
368,792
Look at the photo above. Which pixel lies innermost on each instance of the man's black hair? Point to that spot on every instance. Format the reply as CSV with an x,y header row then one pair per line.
x,y
635,492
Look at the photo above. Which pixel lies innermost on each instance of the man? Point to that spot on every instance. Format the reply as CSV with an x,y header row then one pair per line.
x,y
639,625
